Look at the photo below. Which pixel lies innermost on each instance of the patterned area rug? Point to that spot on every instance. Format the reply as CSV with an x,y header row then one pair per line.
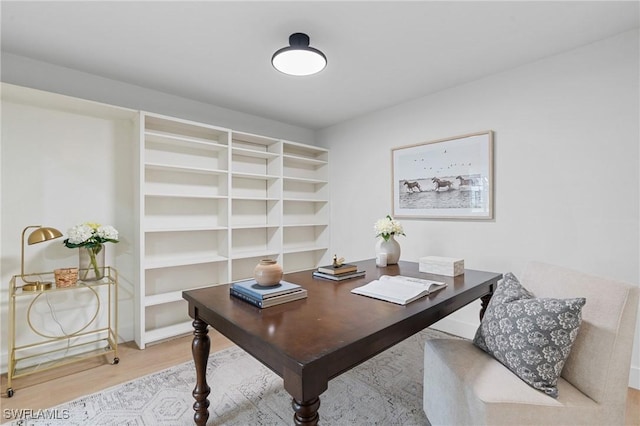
x,y
386,390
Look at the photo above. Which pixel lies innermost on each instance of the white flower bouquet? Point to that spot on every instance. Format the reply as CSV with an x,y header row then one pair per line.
x,y
387,227
91,236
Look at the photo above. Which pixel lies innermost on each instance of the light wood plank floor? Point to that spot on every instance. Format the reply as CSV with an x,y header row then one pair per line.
x,y
50,388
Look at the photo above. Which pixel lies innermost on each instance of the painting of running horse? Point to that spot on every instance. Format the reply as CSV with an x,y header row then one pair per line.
x,y
412,186
447,178
466,181
441,183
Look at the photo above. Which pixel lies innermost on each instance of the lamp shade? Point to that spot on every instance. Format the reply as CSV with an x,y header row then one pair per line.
x,y
299,58
40,235
43,234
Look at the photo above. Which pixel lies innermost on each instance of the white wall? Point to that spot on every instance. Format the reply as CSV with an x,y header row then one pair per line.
x,y
62,167
567,184
27,72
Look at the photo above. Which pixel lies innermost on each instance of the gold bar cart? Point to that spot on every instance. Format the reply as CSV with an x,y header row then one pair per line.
x,y
45,350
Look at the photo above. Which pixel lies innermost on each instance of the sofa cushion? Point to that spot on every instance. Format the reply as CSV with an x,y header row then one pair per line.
x,y
465,386
531,336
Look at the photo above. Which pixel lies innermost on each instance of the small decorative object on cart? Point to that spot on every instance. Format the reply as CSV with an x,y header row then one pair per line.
x,y
66,277
387,228
89,238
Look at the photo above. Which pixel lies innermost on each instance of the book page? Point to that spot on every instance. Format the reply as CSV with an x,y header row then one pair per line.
x,y
415,282
398,289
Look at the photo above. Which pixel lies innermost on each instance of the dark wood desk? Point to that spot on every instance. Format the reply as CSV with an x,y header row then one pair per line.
x,y
308,342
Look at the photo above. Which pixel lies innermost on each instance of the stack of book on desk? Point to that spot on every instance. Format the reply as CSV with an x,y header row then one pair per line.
x,y
338,273
263,297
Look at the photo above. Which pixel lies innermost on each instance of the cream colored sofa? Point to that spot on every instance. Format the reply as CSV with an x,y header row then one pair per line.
x,y
463,385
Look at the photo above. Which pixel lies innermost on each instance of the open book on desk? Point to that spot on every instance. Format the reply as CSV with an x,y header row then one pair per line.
x,y
399,289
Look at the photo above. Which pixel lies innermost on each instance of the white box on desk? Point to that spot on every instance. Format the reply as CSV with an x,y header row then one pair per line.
x,y
449,266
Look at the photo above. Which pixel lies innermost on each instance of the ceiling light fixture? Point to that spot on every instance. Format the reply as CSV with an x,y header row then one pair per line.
x,y
299,58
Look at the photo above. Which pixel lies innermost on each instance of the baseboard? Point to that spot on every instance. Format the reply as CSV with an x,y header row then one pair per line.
x,y
125,334
459,328
634,377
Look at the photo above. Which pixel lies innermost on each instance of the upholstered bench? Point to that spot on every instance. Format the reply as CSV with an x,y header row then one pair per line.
x,y
465,385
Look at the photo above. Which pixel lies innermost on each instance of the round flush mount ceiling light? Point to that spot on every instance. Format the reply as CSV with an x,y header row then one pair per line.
x,y
299,58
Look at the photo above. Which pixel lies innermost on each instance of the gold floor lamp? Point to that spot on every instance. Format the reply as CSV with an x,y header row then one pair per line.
x,y
40,235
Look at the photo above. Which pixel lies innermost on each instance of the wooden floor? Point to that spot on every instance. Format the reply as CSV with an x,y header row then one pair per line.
x,y
50,388
53,387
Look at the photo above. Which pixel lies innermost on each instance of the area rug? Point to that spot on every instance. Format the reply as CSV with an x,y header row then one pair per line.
x,y
386,390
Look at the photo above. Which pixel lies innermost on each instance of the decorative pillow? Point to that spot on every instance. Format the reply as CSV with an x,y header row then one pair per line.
x,y
531,336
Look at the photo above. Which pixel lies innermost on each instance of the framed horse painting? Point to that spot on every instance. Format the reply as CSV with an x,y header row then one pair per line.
x,y
444,179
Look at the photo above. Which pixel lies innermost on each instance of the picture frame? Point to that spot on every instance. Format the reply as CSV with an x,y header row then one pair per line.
x,y
448,178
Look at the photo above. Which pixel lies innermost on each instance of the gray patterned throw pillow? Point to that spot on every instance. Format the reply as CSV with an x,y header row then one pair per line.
x,y
530,336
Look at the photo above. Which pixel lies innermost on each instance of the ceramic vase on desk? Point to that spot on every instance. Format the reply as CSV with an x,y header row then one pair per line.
x,y
390,247
267,273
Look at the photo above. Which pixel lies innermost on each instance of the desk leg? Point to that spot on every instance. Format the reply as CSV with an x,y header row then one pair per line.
x,y
200,350
485,302
306,412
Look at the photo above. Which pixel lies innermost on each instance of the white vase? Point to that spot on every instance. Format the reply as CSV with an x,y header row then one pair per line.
x,y
391,247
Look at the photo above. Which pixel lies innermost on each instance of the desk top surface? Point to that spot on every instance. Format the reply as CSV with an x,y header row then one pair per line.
x,y
332,323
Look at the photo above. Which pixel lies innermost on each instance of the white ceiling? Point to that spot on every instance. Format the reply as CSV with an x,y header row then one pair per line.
x,y
379,53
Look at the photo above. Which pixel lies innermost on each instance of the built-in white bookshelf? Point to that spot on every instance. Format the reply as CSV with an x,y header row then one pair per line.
x,y
212,203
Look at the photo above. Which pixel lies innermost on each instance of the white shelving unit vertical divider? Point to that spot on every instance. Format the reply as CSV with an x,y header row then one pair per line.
x,y
305,206
228,242
256,195
279,214
139,291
